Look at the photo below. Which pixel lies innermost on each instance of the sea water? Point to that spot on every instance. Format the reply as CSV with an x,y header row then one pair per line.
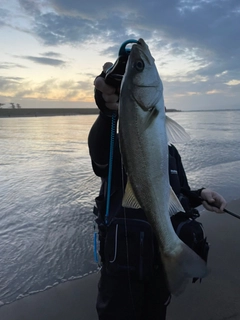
x,y
47,191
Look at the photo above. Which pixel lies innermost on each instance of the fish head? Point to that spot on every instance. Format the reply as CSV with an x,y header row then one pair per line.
x,y
144,83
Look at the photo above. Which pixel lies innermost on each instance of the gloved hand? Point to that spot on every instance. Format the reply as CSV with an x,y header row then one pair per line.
x,y
108,93
213,201
105,96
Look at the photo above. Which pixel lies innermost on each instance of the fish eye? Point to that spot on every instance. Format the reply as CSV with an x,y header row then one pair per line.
x,y
139,65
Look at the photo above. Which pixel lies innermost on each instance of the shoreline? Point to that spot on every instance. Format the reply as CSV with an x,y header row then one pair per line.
x,y
47,112
216,297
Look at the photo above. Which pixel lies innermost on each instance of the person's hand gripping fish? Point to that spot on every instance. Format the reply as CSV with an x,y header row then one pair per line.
x,y
109,94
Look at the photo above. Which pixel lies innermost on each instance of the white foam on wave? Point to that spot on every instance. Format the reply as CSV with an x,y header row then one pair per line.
x,y
48,287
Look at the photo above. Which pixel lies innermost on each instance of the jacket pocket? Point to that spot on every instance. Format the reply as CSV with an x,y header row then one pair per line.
x,y
129,248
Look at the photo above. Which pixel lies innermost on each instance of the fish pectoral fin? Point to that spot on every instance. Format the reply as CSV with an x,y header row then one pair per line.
x,y
174,204
175,132
129,199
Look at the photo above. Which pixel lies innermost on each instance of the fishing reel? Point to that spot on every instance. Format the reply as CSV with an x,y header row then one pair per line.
x,y
115,73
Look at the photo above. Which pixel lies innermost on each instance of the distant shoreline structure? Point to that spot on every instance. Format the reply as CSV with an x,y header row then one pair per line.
x,y
48,112
173,110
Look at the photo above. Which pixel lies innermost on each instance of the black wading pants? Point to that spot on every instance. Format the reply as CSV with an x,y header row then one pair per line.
x,y
123,298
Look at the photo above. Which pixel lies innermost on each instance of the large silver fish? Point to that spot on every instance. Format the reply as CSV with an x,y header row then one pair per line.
x,y
143,128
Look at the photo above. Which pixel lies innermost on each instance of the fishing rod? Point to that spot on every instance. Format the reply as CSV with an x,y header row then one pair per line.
x,y
213,205
232,214
225,210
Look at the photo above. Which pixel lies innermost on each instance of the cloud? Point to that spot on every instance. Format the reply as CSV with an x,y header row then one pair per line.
x,y
10,65
51,54
51,89
46,61
9,86
56,30
31,7
3,14
196,45
233,83
210,29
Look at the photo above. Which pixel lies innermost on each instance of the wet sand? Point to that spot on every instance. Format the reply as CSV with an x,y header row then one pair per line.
x,y
216,298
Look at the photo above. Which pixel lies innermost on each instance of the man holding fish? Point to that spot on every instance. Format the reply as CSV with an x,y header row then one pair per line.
x,y
143,260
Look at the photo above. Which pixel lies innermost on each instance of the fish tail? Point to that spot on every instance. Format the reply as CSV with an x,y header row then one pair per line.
x,y
182,266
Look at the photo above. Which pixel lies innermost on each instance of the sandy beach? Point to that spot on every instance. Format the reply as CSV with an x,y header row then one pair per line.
x,y
216,298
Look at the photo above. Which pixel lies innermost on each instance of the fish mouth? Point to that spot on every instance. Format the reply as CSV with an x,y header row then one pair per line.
x,y
142,47
142,43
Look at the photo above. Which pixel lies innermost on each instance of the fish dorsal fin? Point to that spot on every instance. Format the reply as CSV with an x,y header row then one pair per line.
x,y
129,199
174,204
175,132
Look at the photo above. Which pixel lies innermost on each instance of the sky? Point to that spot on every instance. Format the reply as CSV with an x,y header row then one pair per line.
x,y
51,51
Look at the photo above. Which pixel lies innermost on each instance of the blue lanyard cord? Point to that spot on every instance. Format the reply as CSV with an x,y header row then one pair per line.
x,y
95,246
112,140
